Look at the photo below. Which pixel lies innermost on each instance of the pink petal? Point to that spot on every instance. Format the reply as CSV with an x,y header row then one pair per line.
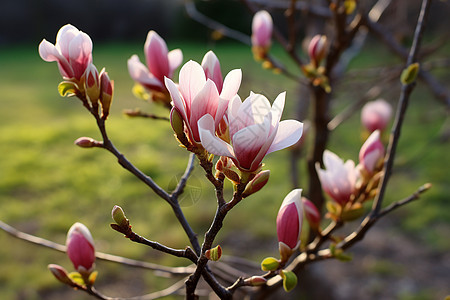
x,y
139,72
80,54
156,52
211,65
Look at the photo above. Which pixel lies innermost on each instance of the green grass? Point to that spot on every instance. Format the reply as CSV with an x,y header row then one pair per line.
x,y
47,183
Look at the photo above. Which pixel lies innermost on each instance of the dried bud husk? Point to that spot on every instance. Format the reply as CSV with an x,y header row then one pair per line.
x,y
285,251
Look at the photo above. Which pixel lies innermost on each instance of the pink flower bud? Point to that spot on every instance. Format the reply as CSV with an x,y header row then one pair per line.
x,y
92,84
376,115
312,214
339,179
317,49
72,51
106,94
256,183
371,152
289,219
255,281
262,26
86,142
80,248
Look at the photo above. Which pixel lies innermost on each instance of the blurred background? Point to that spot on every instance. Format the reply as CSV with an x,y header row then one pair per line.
x,y
47,183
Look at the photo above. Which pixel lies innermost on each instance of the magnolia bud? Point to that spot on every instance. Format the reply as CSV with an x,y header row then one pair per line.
x,y
80,248
255,281
317,49
61,274
262,26
289,220
92,84
119,216
371,152
256,183
214,254
312,214
107,91
87,142
376,115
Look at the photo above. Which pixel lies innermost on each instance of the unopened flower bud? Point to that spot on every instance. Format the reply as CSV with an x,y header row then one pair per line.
x,y
289,220
80,248
372,151
92,84
176,120
262,26
214,254
107,91
312,214
86,142
61,274
255,281
256,183
317,49
376,115
119,216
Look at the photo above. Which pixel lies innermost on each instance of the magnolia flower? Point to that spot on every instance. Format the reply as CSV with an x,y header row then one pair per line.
x,y
262,26
80,248
290,219
160,63
255,130
72,51
371,152
376,115
317,49
196,96
339,179
312,214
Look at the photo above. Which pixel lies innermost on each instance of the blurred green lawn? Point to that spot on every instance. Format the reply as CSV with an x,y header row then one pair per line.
x,y
47,183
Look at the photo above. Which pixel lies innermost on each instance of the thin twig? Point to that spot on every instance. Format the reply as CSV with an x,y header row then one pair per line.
x,y
138,113
182,183
100,255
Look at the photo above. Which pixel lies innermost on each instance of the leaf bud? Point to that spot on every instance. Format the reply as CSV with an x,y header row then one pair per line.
x,y
255,281
61,274
119,216
87,142
289,280
214,254
409,74
270,264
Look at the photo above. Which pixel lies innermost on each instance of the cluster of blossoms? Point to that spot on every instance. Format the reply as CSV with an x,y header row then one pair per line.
x,y
208,117
73,53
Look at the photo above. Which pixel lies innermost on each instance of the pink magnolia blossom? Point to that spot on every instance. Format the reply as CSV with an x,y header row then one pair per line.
x,y
196,96
80,248
72,51
312,214
371,152
160,63
376,115
317,49
255,130
262,26
290,219
339,179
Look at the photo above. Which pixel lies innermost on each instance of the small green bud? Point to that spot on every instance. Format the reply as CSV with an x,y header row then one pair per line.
x,y
409,74
270,264
289,280
214,254
119,216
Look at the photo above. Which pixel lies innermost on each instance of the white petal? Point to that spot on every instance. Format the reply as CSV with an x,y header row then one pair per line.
x,y
231,84
277,108
288,133
177,99
211,142
192,80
